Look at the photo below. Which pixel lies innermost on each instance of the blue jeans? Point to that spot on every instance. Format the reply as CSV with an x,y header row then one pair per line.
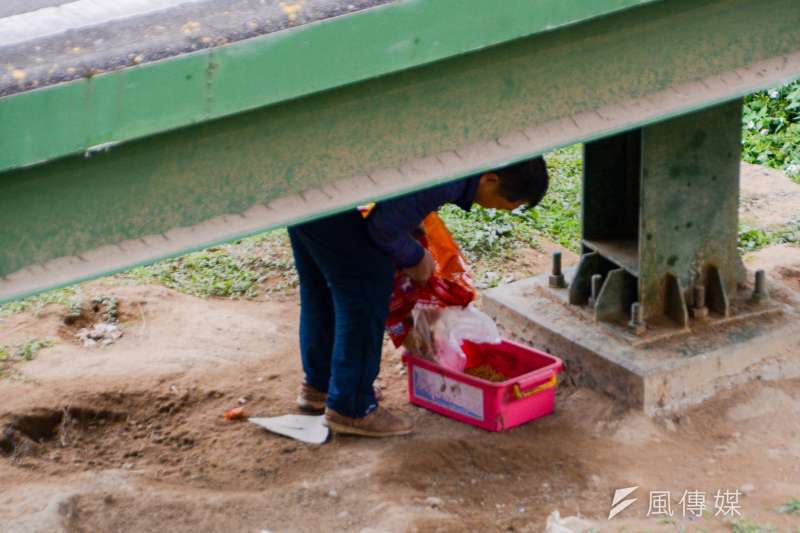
x,y
345,286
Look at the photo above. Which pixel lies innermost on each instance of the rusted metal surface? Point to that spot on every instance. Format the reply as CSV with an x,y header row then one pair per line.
x,y
580,288
717,295
617,295
690,198
557,280
661,203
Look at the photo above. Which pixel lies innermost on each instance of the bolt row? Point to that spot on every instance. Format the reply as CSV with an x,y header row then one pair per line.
x,y
637,326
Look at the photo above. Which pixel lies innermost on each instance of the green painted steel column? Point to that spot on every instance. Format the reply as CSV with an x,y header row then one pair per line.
x,y
689,204
660,217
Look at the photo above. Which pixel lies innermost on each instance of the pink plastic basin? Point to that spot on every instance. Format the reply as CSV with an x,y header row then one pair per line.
x,y
528,394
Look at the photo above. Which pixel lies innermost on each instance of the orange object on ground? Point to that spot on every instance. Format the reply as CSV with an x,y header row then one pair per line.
x,y
235,414
450,284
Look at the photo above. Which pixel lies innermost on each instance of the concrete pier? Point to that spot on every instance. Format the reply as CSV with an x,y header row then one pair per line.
x,y
663,370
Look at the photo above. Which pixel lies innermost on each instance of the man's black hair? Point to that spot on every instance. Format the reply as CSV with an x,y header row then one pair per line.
x,y
526,180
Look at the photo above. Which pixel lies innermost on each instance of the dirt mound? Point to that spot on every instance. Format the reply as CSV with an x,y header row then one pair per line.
x,y
94,321
175,433
790,276
31,432
769,197
107,430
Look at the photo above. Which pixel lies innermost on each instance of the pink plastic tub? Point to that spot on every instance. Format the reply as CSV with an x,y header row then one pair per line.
x,y
494,406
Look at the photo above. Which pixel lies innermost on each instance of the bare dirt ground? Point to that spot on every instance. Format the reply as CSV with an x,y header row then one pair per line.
x,y
769,198
781,261
130,437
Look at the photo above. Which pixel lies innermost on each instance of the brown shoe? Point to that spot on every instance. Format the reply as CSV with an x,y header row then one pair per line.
x,y
379,423
311,400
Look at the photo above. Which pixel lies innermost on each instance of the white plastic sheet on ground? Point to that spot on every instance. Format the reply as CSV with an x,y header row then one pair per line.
x,y
305,428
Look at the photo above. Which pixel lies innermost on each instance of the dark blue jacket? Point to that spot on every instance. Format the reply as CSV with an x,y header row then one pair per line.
x,y
392,222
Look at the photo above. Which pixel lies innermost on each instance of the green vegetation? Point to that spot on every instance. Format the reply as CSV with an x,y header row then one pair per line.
x,y
559,216
792,506
26,351
753,239
771,132
242,269
212,272
490,240
771,136
747,526
63,296
487,234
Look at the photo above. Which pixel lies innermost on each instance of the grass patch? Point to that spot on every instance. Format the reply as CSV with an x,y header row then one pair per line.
x,y
558,217
243,269
26,351
489,239
746,526
753,239
212,272
36,303
488,234
257,265
771,129
792,506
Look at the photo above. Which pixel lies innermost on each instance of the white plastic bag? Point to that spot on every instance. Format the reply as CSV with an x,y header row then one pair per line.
x,y
568,524
439,332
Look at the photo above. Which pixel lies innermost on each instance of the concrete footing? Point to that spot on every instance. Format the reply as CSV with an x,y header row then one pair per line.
x,y
660,374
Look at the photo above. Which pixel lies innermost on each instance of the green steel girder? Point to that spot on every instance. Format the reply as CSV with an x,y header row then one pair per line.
x,y
74,218
115,107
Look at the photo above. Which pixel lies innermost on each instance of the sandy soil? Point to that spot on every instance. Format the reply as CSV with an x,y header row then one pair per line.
x,y
769,197
782,263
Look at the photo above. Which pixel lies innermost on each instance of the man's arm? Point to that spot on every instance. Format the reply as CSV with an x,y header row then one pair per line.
x,y
392,222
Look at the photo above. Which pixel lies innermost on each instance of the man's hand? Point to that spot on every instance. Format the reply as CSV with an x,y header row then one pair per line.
x,y
422,270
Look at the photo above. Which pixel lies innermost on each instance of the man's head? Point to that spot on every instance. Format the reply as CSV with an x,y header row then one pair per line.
x,y
513,186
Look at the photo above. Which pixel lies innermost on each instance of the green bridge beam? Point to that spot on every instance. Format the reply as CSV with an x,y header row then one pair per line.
x,y
131,103
78,217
